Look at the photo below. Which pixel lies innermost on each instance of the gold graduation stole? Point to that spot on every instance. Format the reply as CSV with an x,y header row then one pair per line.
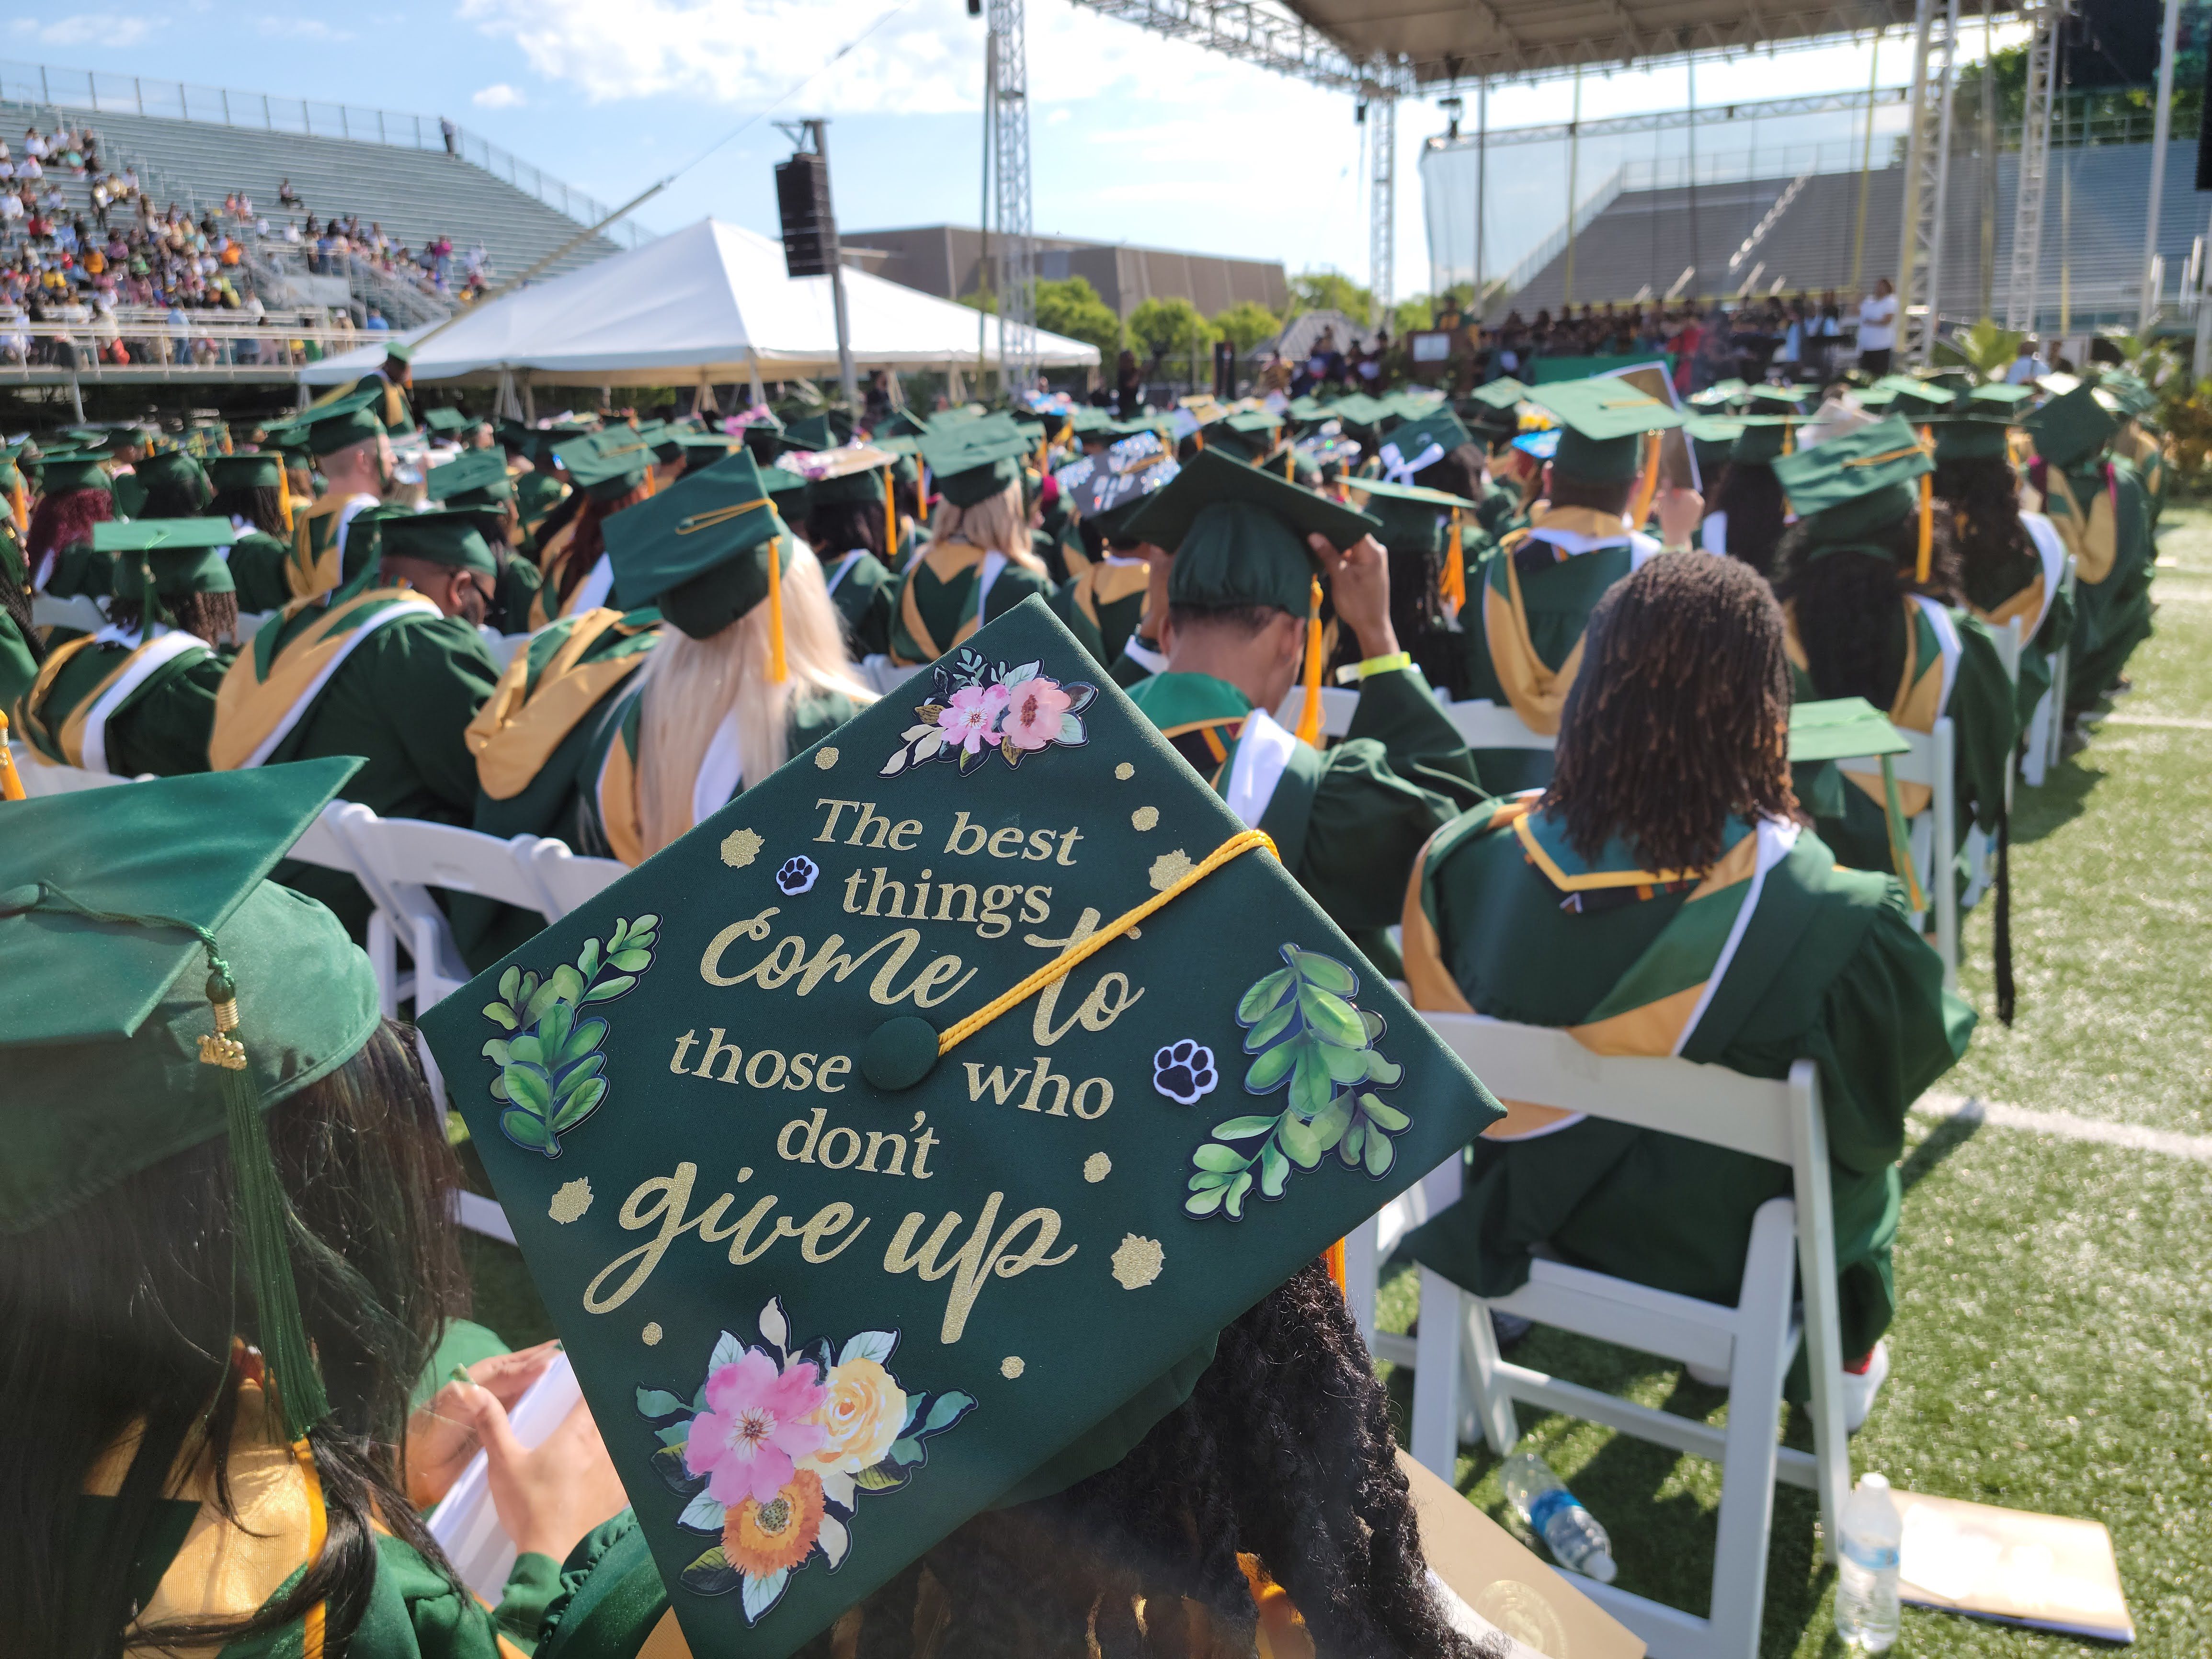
x,y
520,726
1538,694
1108,584
2027,604
614,791
2093,537
550,565
311,569
261,688
943,561
1916,706
66,742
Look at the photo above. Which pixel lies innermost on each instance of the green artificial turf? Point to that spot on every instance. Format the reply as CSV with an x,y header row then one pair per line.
x,y
2050,1351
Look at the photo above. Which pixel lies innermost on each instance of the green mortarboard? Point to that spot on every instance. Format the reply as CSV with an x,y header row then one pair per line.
x,y
899,423
338,425
1249,434
1854,486
1436,427
854,477
785,487
396,347
1239,535
1605,421
172,1013
1504,392
607,464
1764,399
1089,417
973,460
447,420
176,557
453,537
1842,728
175,467
260,471
1358,409
1412,516
704,449
479,475
823,431
2000,395
700,549
965,1260
1953,383
1760,438
74,470
1975,436
1911,396
2070,428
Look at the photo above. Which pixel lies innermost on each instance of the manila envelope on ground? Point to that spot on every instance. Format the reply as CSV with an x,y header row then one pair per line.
x,y
1505,1584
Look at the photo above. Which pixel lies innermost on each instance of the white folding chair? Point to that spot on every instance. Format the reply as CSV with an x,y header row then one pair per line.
x,y
502,647
2047,732
330,844
885,676
565,880
41,776
1754,1341
1486,725
1931,758
82,613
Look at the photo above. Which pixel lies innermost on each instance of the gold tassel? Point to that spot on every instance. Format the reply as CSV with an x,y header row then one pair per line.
x,y
1333,1258
1926,517
1453,586
1789,439
776,671
1310,715
285,492
1290,466
19,504
11,786
1647,487
890,521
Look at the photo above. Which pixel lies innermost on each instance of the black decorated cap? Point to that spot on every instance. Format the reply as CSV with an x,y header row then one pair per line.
x,y
1604,422
1129,1153
1410,443
1239,535
479,474
103,1080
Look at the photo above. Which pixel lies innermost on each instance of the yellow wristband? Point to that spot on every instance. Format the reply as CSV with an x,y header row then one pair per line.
x,y
1390,664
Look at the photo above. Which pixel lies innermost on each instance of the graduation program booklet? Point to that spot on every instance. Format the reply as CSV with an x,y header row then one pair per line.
x,y
852,1225
2046,1571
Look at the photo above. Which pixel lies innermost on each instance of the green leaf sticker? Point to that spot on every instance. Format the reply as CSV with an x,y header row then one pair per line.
x,y
548,1073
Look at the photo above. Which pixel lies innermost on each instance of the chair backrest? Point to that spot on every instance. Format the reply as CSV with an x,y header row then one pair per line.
x,y
1486,725
1548,1067
502,647
42,778
2008,642
81,613
884,675
410,852
1337,707
326,845
566,881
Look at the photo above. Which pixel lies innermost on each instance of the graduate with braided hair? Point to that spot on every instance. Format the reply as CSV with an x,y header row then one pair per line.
x,y
1665,896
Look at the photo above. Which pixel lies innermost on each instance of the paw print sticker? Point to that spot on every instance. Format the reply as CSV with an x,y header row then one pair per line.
x,y
1183,1072
797,876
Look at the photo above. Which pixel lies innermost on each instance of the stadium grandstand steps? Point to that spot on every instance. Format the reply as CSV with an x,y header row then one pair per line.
x,y
415,195
1642,240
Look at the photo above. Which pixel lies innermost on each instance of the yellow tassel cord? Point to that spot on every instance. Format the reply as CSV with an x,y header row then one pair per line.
x,y
11,786
312,1625
1453,584
1068,961
1333,1258
890,521
1927,517
1199,438
1647,487
1290,466
19,507
1789,439
1309,713
776,671
285,492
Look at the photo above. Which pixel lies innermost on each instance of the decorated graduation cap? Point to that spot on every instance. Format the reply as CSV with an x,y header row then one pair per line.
x,y
168,1010
706,550
443,419
937,1102
1852,487
608,465
1418,444
1608,425
2068,429
973,460
339,424
1111,499
1719,395
475,479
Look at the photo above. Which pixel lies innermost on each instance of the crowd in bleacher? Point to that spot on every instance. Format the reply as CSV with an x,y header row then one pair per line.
x,y
1596,711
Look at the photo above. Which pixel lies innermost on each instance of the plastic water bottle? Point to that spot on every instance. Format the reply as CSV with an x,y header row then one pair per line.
x,y
1577,1541
1866,1579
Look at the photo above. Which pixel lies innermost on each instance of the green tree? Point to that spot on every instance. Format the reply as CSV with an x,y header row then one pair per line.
x,y
1246,323
1170,328
1409,316
982,299
1072,307
1330,290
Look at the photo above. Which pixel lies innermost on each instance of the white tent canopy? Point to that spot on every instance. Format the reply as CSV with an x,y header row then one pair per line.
x,y
709,303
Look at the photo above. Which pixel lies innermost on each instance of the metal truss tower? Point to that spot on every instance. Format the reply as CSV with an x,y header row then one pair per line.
x,y
1382,196
1008,83
1927,179
2035,168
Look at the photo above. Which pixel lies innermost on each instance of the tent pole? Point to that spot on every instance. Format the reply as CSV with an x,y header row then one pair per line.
x,y
760,392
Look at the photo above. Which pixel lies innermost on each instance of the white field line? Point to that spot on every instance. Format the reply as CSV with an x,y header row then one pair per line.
x,y
2065,1126
2179,721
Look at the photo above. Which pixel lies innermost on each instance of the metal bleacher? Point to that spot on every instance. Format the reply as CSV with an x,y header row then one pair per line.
x,y
1642,240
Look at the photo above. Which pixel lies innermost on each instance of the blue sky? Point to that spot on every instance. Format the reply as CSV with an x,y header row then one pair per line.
x,y
1133,138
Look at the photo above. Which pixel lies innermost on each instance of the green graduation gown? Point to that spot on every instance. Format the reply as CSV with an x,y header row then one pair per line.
x,y
949,591
1347,822
866,594
1827,968
344,678
1102,605
124,706
256,565
2104,514
1952,667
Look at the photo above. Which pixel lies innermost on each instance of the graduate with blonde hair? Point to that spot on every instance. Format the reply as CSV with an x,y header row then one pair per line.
x,y
750,669
980,563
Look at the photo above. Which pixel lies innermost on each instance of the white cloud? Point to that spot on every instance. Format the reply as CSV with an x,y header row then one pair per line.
x,y
88,29
498,96
300,28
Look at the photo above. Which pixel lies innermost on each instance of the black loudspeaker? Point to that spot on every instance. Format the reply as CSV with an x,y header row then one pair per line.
x,y
2113,43
802,202
2204,147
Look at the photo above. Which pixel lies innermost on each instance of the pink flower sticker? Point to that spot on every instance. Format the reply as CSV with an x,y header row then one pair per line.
x,y
1032,719
755,1427
972,719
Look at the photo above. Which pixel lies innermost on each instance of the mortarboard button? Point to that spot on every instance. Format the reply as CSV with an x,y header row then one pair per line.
x,y
899,1053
